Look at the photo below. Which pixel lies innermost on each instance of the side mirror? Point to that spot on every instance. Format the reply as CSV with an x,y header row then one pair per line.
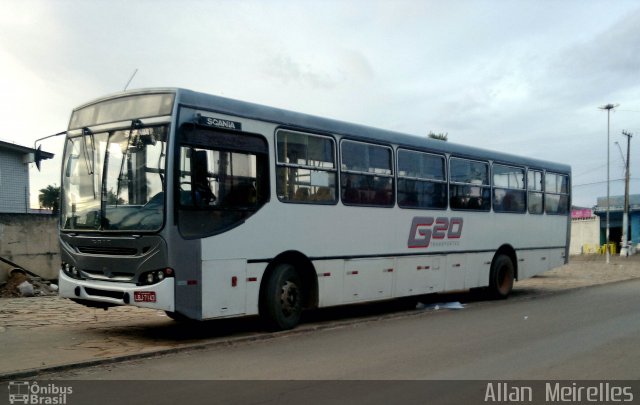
x,y
38,157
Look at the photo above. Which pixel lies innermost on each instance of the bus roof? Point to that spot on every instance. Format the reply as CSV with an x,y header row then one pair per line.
x,y
301,121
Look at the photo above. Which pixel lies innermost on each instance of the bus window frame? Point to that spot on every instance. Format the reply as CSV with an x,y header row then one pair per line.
x,y
444,181
348,172
566,194
541,191
482,186
523,190
335,170
197,140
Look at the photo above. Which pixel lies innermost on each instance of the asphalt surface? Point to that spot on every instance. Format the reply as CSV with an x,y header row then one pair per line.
x,y
44,334
589,333
536,344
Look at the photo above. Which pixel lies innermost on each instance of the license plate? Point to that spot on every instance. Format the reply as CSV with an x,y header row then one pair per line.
x,y
144,296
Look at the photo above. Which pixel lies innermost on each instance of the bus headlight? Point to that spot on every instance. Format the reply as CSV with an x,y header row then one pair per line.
x,y
152,277
70,270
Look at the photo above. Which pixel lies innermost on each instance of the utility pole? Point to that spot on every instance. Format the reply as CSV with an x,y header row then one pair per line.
x,y
625,219
608,107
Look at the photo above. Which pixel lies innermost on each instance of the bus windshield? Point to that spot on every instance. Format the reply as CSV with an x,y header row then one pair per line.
x,y
114,180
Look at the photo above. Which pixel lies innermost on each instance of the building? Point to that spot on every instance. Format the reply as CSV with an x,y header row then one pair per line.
x,y
585,232
28,240
616,211
14,176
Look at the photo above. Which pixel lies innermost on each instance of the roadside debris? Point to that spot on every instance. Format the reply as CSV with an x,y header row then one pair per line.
x,y
26,289
21,284
440,305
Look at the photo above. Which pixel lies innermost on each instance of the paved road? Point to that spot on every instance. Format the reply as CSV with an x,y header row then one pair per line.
x,y
51,332
589,333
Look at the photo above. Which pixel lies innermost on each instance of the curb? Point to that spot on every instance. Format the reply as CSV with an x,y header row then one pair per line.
x,y
262,336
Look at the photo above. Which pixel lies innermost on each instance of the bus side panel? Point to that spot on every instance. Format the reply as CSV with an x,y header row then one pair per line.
x,y
330,282
224,284
478,269
455,269
533,262
368,279
185,258
419,275
557,258
255,271
529,264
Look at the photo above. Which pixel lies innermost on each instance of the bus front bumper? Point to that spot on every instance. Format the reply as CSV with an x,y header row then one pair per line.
x,y
157,296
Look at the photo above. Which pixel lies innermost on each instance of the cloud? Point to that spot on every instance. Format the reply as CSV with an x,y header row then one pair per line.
x,y
516,77
600,65
321,70
287,69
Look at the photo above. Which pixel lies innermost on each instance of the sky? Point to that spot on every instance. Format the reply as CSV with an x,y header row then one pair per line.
x,y
523,77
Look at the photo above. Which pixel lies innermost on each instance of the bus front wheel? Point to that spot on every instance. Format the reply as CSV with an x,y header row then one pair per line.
x,y
501,277
282,305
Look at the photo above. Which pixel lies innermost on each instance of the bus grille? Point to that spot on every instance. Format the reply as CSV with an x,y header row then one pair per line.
x,y
104,293
107,250
100,275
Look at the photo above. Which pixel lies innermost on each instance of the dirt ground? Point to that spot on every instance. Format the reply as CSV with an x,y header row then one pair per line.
x,y
583,271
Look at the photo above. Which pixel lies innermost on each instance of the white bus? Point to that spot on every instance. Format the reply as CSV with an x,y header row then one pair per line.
x,y
207,207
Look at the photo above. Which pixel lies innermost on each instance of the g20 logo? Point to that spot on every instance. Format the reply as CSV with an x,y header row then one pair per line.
x,y
424,229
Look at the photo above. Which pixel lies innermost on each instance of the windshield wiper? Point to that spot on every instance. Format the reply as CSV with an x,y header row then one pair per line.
x,y
90,156
135,124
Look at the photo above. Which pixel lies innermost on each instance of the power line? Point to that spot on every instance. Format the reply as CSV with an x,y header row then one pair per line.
x,y
601,182
589,171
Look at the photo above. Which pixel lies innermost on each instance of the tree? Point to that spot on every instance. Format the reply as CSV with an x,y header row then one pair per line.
x,y
441,136
112,198
50,198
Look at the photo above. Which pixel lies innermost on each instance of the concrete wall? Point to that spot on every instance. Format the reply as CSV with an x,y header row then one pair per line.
x,y
30,241
584,232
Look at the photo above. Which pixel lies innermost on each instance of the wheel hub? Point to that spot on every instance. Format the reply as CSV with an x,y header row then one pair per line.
x,y
289,298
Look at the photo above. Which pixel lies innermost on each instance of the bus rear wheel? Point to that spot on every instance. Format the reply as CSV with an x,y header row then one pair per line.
x,y
282,305
501,277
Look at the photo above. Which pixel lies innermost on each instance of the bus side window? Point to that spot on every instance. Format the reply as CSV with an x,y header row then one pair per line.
x,y
469,187
508,189
200,188
221,182
535,181
366,174
556,198
422,181
306,170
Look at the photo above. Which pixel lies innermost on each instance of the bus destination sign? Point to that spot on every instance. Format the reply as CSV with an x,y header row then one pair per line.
x,y
219,123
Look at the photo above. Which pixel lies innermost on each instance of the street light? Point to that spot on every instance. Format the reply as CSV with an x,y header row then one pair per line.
x,y
608,107
625,218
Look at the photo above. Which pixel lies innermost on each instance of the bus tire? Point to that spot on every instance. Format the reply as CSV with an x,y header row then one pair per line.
x,y
501,277
282,306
